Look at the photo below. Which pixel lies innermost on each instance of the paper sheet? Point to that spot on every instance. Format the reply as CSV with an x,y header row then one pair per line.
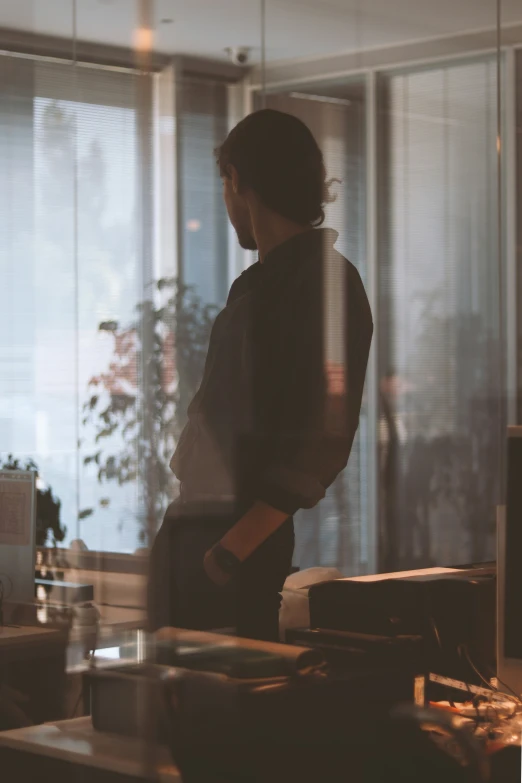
x,y
400,575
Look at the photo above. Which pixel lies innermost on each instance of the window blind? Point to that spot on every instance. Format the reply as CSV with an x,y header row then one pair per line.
x,y
438,317
518,174
72,258
335,532
203,126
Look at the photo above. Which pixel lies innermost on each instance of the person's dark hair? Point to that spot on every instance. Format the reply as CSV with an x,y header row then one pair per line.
x,y
277,156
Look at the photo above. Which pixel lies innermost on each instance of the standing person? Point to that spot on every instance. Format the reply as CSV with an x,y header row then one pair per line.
x,y
267,431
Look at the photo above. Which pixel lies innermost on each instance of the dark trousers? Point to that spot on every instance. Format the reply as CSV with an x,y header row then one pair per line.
x,y
180,593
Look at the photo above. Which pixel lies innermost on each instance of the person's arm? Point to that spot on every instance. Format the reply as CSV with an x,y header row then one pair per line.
x,y
319,425
258,524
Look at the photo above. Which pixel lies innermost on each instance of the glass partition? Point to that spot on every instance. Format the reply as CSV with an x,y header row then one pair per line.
x,y
439,338
335,533
117,253
428,247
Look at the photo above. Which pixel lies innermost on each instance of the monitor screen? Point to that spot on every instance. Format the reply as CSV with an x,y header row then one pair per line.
x,y
513,551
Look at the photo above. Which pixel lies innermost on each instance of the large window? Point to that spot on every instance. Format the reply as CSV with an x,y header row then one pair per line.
x,y
71,259
438,379
104,326
81,308
335,533
438,340
203,125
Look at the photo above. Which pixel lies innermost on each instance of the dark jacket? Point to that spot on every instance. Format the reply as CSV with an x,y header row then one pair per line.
x,y
278,408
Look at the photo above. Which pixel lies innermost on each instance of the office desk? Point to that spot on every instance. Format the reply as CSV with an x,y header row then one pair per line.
x,y
17,642
72,752
32,661
116,627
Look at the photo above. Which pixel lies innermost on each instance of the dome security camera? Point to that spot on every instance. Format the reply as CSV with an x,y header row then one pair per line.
x,y
239,55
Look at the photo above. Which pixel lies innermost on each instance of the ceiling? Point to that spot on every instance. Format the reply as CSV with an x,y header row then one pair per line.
x,y
295,29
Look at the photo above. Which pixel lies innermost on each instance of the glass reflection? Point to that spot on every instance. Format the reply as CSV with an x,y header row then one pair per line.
x,y
112,190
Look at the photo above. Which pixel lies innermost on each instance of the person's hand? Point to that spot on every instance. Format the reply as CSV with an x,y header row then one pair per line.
x,y
213,571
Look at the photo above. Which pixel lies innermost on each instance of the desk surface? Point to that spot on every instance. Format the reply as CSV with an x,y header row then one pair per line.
x,y
27,634
121,618
26,642
75,741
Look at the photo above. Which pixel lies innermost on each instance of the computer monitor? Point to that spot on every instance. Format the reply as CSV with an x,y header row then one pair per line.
x,y
509,571
17,535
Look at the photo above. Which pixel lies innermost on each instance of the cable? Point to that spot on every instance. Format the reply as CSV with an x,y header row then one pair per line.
x,y
494,714
517,703
73,715
463,649
475,700
91,665
436,633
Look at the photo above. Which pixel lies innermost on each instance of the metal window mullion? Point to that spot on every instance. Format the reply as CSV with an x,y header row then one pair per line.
x,y
509,171
372,378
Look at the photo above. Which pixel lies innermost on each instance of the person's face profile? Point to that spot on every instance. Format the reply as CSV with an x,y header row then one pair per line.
x,y
238,212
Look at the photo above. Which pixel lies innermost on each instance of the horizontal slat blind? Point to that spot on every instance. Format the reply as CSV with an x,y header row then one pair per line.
x,y
334,533
203,125
71,257
438,317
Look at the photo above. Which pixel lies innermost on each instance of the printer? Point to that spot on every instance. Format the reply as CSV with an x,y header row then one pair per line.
x,y
453,611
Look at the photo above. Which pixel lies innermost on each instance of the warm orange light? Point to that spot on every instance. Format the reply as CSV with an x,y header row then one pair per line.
x,y
143,38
